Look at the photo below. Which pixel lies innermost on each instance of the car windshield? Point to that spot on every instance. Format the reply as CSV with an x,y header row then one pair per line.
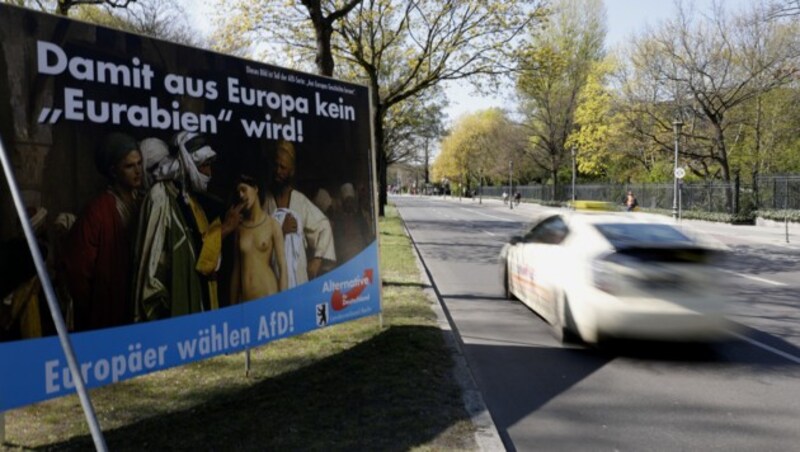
x,y
625,235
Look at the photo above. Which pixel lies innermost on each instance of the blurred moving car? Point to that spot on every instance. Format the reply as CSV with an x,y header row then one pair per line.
x,y
595,275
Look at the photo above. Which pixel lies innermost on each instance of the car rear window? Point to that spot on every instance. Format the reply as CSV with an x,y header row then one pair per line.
x,y
625,235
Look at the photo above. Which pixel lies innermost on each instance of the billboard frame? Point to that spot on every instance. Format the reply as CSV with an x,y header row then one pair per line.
x,y
71,346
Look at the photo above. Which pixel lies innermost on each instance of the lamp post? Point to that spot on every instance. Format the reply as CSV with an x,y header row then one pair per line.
x,y
676,124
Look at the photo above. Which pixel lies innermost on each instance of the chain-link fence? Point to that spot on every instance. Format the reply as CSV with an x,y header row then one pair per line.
x,y
768,192
777,192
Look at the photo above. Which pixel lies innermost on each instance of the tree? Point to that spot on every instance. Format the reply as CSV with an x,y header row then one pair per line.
x,y
286,24
63,7
479,146
646,111
716,66
405,48
554,70
163,19
410,123
323,29
784,8
597,125
412,126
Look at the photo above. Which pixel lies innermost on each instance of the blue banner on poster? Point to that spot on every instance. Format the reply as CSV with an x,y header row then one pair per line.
x,y
36,369
187,203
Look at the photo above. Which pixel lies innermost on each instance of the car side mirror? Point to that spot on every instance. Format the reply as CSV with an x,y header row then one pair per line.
x,y
517,239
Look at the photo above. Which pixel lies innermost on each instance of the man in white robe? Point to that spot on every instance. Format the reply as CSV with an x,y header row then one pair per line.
x,y
302,222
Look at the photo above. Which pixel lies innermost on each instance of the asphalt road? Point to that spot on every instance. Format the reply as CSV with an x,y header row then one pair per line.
x,y
743,394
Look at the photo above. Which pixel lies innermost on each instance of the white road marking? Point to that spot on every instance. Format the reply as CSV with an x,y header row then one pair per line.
x,y
755,278
486,214
487,232
768,348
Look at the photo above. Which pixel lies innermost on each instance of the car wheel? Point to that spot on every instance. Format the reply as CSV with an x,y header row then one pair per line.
x,y
563,327
507,281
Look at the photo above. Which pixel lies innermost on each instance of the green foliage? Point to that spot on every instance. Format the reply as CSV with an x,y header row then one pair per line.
x,y
548,203
555,69
717,217
596,126
688,67
779,215
480,145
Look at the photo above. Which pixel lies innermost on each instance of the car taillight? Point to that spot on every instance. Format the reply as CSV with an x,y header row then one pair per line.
x,y
616,272
604,277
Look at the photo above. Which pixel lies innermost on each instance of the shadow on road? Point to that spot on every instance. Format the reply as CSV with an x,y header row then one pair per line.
x,y
763,259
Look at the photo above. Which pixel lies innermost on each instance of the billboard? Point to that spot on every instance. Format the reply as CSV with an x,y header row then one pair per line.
x,y
187,203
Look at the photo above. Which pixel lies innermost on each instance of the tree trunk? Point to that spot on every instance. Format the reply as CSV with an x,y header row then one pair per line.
x,y
324,57
554,167
382,177
63,7
380,153
724,165
757,157
322,34
426,163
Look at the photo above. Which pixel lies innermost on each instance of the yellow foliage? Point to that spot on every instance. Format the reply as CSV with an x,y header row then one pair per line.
x,y
597,125
475,144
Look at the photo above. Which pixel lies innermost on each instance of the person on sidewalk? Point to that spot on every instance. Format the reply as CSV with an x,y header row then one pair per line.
x,y
631,203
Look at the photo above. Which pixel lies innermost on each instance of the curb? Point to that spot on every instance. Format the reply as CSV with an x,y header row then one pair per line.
x,y
487,436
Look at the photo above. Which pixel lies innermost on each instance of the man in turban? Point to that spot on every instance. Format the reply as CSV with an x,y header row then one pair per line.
x,y
178,249
306,230
97,255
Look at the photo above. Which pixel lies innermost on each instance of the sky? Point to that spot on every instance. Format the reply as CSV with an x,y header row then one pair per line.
x,y
625,18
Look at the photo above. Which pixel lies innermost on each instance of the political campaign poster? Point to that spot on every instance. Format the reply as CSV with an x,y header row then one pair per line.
x,y
187,203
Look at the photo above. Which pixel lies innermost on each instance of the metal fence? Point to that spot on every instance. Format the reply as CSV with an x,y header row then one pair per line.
x,y
777,192
768,192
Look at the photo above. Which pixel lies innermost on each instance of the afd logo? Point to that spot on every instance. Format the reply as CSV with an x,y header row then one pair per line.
x,y
345,293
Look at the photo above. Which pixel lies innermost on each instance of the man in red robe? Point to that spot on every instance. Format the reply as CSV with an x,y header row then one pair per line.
x,y
97,261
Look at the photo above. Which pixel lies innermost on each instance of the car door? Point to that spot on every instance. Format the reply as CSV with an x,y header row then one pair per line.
x,y
540,264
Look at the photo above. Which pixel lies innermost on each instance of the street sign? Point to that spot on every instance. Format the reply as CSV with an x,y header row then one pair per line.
x,y
680,172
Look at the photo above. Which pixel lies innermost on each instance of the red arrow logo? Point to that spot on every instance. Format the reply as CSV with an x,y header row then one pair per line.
x,y
338,300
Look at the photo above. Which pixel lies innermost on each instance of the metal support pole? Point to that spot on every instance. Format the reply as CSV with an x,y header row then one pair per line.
x,y
786,208
786,227
677,124
52,303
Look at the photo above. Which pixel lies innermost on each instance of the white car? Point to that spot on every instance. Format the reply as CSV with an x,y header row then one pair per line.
x,y
603,275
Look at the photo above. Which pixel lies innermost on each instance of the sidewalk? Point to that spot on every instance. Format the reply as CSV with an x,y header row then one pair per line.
x,y
766,232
